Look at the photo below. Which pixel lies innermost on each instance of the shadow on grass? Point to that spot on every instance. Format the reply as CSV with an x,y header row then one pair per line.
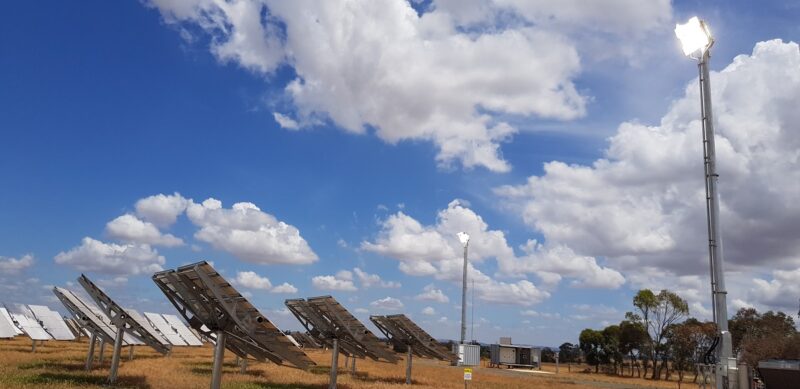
x,y
52,365
270,385
83,379
363,376
319,369
39,350
225,370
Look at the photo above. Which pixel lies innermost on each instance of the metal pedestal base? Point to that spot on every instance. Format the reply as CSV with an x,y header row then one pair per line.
x,y
219,357
334,363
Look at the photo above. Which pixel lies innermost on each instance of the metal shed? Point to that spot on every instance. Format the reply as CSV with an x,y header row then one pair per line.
x,y
514,355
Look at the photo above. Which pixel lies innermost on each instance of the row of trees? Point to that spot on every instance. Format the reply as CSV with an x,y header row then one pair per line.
x,y
659,338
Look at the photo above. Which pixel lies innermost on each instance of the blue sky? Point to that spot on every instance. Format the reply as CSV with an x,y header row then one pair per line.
x,y
107,103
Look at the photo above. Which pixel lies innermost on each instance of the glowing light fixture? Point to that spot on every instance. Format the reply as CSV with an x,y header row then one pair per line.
x,y
463,237
695,37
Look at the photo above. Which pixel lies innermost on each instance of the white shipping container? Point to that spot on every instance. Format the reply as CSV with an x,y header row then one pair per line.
x,y
469,354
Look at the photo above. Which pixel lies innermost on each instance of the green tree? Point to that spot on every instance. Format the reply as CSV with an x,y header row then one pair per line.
x,y
568,353
632,339
548,355
757,336
591,343
612,353
656,312
644,303
683,342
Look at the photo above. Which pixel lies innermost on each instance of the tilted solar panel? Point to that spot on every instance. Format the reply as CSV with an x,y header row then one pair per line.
x,y
74,327
7,316
135,330
183,331
31,327
321,329
154,332
166,330
89,317
52,322
347,323
402,330
204,297
7,327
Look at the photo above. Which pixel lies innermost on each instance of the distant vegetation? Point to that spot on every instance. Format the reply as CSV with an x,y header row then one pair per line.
x,y
659,338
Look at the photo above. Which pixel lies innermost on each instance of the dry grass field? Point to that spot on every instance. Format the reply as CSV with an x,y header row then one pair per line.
x,y
60,365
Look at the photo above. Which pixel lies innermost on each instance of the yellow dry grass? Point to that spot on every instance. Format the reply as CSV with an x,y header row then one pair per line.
x,y
60,365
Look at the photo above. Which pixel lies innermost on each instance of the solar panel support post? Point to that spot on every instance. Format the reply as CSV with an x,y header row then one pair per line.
x,y
90,357
102,348
243,366
112,376
408,365
33,348
334,363
353,366
219,358
130,353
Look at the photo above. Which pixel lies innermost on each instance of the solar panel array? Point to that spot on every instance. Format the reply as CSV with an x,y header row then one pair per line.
x,y
402,331
147,326
52,322
305,340
204,297
7,317
184,332
120,317
165,329
326,319
74,327
30,326
87,315
7,327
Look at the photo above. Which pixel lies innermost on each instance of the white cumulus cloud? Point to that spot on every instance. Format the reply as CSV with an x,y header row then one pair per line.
x,y
446,76
434,250
110,258
368,280
428,311
9,265
642,205
249,233
388,304
432,294
333,283
285,287
251,280
129,228
161,210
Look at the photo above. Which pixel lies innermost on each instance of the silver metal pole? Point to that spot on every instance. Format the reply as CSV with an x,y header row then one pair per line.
x,y
33,348
334,363
472,314
725,349
219,358
464,298
130,353
90,357
408,366
102,349
243,366
353,366
112,377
